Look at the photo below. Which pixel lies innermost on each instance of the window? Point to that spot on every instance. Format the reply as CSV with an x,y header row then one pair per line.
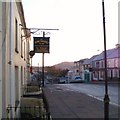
x,y
22,88
16,36
21,75
97,64
95,74
115,63
102,64
119,74
16,86
21,47
24,76
115,73
24,52
101,74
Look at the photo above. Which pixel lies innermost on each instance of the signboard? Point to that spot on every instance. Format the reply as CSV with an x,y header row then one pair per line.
x,y
41,44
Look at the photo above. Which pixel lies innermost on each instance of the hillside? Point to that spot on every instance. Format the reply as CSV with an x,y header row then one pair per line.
x,y
64,65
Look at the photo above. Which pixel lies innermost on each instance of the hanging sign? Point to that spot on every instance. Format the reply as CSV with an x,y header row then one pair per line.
x,y
41,44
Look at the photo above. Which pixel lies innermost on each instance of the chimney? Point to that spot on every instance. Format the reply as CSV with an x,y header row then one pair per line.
x,y
118,45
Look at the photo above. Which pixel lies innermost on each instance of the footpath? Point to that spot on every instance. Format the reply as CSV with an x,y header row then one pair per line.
x,y
71,104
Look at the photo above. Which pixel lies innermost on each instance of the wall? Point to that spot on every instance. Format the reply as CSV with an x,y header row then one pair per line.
x,y
4,28
0,60
10,58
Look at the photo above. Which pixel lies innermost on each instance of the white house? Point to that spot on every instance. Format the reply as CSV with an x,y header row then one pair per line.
x,y
14,57
79,67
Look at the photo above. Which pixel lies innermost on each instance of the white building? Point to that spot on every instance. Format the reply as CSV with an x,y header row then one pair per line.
x,y
14,57
0,59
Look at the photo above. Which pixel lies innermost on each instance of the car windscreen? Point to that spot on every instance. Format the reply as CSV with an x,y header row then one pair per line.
x,y
77,78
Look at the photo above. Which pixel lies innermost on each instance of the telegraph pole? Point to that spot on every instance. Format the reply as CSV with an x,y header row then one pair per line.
x,y
43,65
106,97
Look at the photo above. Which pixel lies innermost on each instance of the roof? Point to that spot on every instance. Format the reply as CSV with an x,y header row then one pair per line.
x,y
88,61
111,53
114,54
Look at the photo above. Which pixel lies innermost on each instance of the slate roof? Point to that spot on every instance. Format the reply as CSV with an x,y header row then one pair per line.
x,y
88,61
111,53
114,54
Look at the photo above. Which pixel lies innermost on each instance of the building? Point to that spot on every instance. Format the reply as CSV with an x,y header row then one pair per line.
x,y
113,67
79,67
87,71
0,60
93,68
14,57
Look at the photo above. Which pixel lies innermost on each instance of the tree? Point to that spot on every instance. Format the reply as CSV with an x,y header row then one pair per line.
x,y
56,72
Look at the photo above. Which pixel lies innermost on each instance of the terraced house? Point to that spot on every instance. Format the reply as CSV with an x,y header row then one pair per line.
x,y
113,65
94,67
14,57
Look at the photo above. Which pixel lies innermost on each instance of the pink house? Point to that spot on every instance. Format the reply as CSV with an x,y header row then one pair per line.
x,y
113,65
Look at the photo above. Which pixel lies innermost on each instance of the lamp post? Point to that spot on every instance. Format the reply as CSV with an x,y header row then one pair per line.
x,y
43,64
35,31
106,97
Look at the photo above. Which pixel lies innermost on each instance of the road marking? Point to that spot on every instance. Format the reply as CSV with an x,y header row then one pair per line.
x,y
102,100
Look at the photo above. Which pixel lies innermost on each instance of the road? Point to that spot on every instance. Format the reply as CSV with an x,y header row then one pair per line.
x,y
94,90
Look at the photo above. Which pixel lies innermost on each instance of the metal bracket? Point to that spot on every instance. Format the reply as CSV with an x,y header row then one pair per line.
x,y
10,62
36,31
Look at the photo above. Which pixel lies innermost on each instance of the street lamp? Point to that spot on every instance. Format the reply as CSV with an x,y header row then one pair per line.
x,y
106,97
31,53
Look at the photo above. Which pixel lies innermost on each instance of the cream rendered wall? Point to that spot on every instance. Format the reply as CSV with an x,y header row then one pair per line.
x,y
0,60
16,59
4,28
7,60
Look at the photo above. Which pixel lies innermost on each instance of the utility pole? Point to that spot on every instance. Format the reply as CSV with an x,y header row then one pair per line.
x,y
106,97
43,65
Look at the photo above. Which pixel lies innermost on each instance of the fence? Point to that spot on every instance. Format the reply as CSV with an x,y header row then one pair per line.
x,y
31,111
28,89
34,112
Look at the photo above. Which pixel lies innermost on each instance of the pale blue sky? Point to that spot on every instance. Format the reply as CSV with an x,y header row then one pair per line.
x,y
81,27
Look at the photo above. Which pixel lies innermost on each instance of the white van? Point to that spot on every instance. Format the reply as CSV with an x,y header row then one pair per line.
x,y
76,79
62,80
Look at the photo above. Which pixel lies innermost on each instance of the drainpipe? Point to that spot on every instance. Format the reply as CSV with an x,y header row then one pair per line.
x,y
1,59
10,59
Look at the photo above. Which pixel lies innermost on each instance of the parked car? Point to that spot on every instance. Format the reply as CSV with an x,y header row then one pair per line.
x,y
62,80
76,79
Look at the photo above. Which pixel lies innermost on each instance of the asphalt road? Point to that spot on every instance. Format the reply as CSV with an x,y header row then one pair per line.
x,y
94,90
77,100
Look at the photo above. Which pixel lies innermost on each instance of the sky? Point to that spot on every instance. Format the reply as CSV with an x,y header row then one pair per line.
x,y
80,25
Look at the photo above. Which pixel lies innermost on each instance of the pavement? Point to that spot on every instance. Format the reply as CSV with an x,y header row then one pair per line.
x,y
116,82
71,104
